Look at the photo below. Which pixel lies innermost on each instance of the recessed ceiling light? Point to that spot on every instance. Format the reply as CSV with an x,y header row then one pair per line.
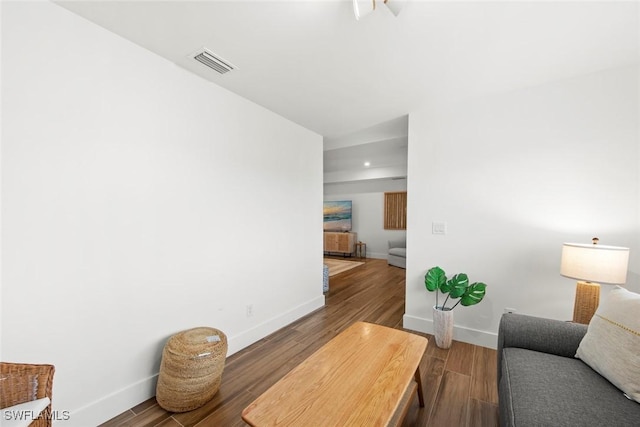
x,y
367,164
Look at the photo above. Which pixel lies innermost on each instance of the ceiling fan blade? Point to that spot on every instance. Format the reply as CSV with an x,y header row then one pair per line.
x,y
395,6
362,8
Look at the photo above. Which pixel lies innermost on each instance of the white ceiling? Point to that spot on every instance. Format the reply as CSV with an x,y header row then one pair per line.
x,y
384,148
313,63
385,153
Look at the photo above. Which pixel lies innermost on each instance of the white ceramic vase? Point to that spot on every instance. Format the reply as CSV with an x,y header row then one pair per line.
x,y
443,327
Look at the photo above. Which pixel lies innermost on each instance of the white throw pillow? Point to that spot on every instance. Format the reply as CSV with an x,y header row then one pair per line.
x,y
611,345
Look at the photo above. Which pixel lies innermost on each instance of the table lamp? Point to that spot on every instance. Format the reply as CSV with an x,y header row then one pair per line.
x,y
590,264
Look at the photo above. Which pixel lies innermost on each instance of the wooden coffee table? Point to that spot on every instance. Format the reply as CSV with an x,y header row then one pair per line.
x,y
365,376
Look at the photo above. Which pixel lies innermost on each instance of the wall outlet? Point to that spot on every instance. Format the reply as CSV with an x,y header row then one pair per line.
x,y
510,310
438,227
249,310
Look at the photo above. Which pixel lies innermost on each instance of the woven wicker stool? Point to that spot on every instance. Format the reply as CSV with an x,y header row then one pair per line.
x,y
191,369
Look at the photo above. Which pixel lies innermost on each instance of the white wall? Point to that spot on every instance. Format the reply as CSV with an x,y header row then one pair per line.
x,y
1,133
139,200
368,211
515,175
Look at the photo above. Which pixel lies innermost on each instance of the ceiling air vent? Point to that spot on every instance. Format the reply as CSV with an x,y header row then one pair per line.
x,y
213,61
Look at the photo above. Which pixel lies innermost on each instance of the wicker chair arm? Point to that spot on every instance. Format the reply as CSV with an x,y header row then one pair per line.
x,y
17,393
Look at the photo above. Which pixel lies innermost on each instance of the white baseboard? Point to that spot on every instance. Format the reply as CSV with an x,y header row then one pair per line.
x,y
468,335
114,404
248,337
109,406
376,255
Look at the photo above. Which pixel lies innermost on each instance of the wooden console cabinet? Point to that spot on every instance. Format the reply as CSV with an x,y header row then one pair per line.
x,y
343,243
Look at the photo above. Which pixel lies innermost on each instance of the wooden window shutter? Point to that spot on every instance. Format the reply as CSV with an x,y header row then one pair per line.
x,y
395,210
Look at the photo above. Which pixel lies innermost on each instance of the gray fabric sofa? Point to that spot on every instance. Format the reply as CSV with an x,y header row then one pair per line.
x,y
541,383
397,255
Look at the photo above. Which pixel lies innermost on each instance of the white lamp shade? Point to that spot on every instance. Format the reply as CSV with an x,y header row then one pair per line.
x,y
595,263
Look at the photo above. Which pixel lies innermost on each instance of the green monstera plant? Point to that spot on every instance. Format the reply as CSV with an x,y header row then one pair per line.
x,y
456,287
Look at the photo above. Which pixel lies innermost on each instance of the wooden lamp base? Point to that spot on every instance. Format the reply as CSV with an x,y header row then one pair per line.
x,y
587,300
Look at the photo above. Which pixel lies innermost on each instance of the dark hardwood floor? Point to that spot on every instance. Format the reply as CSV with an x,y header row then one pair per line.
x,y
459,383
